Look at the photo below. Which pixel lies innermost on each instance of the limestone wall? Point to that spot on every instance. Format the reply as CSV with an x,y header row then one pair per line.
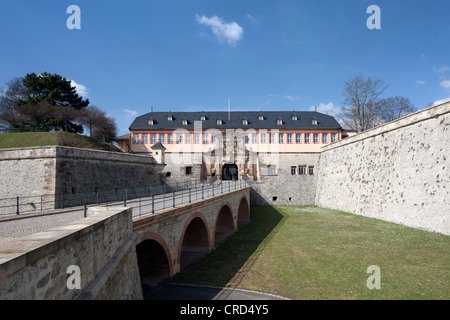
x,y
285,188
398,172
67,177
37,267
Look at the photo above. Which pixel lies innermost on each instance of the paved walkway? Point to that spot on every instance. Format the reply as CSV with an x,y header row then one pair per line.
x,y
13,227
17,228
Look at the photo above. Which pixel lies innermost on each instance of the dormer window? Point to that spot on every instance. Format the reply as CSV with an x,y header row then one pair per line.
x,y
279,122
294,117
202,118
219,122
260,117
169,118
245,122
150,122
184,122
314,122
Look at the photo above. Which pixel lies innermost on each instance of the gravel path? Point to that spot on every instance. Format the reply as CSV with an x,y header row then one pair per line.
x,y
13,229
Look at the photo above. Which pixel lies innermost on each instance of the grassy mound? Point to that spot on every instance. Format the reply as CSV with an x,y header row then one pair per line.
x,y
41,139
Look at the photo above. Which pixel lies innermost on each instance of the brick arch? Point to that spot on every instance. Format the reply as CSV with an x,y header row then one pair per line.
x,y
243,211
191,248
156,237
225,223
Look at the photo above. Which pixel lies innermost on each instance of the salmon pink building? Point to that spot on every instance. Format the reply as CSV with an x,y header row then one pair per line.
x,y
266,148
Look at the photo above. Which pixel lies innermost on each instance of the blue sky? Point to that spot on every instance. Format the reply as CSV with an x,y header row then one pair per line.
x,y
194,55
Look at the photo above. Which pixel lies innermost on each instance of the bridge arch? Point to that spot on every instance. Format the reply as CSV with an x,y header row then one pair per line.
x,y
154,260
225,225
194,241
243,215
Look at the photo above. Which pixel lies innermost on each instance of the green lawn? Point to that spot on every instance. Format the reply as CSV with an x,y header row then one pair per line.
x,y
313,253
41,139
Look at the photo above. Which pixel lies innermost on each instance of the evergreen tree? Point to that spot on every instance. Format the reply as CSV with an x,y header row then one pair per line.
x,y
57,91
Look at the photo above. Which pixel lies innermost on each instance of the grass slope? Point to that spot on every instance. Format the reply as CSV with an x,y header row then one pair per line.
x,y
40,139
313,253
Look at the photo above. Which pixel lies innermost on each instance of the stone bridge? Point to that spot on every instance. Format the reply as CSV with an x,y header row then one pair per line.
x,y
119,255
169,241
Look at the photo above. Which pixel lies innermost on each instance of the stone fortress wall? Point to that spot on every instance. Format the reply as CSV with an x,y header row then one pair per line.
x,y
398,172
66,176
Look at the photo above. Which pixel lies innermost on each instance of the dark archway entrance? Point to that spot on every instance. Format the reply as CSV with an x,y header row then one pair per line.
x,y
153,265
224,225
230,172
195,243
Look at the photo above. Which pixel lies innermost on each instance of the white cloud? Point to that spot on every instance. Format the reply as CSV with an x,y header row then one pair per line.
x,y
132,113
81,89
252,19
229,32
441,101
421,82
442,69
445,84
327,108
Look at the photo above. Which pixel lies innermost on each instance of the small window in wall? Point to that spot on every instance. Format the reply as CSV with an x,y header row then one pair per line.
x,y
188,170
333,137
275,198
301,170
316,138
293,171
168,174
311,170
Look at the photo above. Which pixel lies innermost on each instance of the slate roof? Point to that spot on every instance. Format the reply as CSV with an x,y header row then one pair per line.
x,y
270,120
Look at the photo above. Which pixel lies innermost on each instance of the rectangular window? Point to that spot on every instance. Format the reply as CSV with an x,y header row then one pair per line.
x,y
272,170
136,139
205,138
213,138
316,138
188,170
246,138
161,138
153,138
170,138
306,137
269,170
333,137
179,138
289,138
263,138
301,170
311,170
144,139
196,138
254,139
271,138
187,137
281,138
324,138
298,138
293,171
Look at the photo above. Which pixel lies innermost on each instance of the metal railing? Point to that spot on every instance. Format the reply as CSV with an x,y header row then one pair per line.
x,y
153,204
148,199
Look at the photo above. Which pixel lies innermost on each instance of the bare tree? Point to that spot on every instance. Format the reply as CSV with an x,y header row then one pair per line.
x,y
105,129
34,117
9,99
359,107
392,108
89,118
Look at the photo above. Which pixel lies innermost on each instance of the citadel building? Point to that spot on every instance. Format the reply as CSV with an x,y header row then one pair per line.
x,y
276,151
